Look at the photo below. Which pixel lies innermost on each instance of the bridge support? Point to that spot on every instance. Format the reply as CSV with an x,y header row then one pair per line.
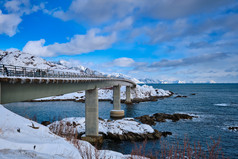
x,y
128,95
117,112
91,117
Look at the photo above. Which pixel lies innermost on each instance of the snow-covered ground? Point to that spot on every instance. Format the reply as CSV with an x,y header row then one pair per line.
x,y
118,127
22,138
140,92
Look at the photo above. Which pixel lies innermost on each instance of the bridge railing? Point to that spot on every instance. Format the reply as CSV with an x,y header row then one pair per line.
x,y
18,71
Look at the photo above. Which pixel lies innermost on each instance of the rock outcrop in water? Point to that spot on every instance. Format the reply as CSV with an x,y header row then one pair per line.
x,y
161,117
180,96
121,130
233,128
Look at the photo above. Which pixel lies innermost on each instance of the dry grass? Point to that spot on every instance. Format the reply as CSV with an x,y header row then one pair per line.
x,y
185,150
69,132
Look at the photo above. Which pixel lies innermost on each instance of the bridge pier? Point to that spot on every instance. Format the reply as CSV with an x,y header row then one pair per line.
x,y
128,95
91,117
117,112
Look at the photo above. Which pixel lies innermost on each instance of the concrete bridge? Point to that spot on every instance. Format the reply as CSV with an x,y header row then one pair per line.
x,y
20,84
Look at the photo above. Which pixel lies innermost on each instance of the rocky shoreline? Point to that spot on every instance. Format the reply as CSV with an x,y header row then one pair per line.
x,y
135,100
162,117
126,129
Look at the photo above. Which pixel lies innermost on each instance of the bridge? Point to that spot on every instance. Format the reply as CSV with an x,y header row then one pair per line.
x,y
23,83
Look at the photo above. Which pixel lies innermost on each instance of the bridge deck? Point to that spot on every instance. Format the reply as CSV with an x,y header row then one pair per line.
x,y
29,80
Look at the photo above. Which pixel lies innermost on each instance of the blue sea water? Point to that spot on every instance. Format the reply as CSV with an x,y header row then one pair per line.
x,y
216,106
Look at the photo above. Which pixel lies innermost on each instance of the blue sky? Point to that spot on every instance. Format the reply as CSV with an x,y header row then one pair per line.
x,y
187,40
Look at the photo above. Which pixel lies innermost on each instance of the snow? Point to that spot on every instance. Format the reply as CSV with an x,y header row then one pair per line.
x,y
119,127
26,154
141,92
22,138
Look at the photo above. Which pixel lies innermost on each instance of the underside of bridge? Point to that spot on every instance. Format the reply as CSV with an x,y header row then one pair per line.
x,y
17,90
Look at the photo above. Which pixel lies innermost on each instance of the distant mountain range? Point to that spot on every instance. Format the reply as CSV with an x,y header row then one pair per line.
x,y
154,81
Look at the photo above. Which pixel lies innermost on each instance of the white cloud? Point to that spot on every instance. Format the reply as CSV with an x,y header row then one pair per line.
x,y
17,6
15,9
120,25
123,62
84,43
37,48
21,7
173,9
77,45
9,23
94,11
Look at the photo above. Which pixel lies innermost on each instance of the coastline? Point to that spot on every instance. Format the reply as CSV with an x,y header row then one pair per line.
x,y
136,100
142,93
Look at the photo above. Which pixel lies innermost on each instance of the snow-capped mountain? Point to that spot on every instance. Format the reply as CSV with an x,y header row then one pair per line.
x,y
154,81
120,75
18,58
150,81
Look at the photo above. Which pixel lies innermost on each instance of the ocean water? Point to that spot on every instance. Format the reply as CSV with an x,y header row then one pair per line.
x,y
216,106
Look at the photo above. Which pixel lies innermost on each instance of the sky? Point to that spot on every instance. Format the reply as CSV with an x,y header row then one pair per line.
x,y
186,40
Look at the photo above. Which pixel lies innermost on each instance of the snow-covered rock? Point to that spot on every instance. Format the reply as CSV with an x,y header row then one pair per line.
x,y
123,129
23,138
106,126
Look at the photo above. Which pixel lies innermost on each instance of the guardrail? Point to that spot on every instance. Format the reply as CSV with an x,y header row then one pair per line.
x,y
18,71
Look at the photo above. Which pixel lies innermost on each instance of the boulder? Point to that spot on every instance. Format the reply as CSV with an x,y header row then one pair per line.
x,y
233,128
45,123
161,117
146,119
180,96
166,133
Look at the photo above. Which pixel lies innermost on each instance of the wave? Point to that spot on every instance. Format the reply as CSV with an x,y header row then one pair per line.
x,y
226,104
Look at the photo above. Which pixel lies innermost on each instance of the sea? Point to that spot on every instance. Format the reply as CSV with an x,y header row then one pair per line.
x,y
215,105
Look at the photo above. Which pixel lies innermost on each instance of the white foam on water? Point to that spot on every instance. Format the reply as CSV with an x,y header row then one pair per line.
x,y
200,116
226,104
222,104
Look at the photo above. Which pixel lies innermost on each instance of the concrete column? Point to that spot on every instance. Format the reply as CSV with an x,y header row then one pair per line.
x,y
0,93
117,97
91,118
91,112
128,95
117,112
